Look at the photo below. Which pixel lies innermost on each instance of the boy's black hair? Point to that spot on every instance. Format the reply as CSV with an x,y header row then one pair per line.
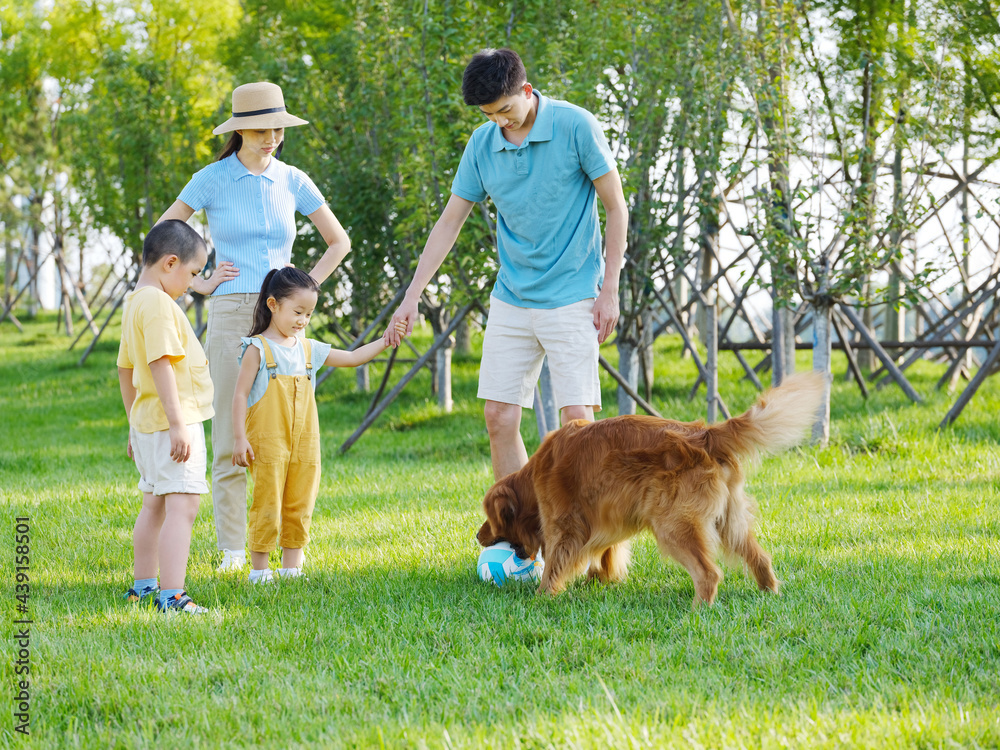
x,y
171,237
278,283
491,75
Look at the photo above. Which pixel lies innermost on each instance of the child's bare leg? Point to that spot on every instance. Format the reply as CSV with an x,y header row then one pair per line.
x,y
259,560
292,558
175,539
146,536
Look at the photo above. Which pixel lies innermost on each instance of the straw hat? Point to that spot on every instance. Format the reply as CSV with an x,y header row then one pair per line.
x,y
258,106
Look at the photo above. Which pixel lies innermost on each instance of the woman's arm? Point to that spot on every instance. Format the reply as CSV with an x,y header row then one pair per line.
x,y
337,241
179,210
225,271
242,451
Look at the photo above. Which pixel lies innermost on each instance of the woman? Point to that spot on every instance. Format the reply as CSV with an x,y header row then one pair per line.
x,y
250,198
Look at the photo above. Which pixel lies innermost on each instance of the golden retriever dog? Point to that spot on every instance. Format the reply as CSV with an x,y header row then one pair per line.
x,y
591,486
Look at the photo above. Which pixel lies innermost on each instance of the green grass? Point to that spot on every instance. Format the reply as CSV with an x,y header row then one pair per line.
x,y
887,633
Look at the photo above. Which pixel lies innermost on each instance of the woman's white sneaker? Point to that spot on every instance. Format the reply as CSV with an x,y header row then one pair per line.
x,y
232,560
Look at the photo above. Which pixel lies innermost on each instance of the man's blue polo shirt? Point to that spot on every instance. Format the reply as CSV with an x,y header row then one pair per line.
x,y
548,230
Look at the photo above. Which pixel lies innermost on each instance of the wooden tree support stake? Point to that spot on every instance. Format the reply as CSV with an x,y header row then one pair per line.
x,y
971,388
884,358
646,406
374,413
364,334
852,360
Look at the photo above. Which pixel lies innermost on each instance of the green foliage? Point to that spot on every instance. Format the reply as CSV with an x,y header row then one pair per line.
x,y
804,104
145,108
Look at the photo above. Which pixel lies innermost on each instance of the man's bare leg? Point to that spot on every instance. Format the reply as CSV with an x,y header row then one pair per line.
x,y
569,413
507,451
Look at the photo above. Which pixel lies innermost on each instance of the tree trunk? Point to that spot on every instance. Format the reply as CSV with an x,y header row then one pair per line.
x,y
966,132
546,414
772,33
443,374
867,187
647,361
362,378
362,374
712,356
822,351
895,313
628,366
463,337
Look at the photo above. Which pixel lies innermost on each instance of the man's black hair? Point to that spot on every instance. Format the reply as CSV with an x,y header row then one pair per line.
x,y
491,75
171,237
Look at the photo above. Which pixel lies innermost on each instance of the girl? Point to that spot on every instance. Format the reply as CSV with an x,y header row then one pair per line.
x,y
275,423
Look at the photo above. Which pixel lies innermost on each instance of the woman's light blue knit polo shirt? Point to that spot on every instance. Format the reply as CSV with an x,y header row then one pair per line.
x,y
548,229
251,217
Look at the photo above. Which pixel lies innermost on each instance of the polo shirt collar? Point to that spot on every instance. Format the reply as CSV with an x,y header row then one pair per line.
x,y
541,128
237,170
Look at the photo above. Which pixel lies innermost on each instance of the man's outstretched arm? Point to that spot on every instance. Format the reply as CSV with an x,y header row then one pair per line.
x,y
439,243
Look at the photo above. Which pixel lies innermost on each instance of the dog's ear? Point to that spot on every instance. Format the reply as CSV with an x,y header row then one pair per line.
x,y
508,504
500,507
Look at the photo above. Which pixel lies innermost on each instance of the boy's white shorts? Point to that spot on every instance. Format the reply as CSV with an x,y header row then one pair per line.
x,y
161,475
517,339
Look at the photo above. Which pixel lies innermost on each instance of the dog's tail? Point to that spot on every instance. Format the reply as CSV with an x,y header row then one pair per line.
x,y
778,421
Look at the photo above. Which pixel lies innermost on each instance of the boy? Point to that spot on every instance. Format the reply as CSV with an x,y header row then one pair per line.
x,y
167,391
544,163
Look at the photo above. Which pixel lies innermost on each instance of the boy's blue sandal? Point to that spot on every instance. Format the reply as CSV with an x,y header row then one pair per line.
x,y
181,603
132,596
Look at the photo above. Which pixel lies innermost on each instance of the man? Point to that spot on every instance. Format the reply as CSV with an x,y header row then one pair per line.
x,y
544,163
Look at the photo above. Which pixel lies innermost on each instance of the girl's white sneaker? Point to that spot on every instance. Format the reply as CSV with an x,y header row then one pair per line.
x,y
261,576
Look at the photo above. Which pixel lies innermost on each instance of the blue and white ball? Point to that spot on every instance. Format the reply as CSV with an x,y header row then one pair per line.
x,y
499,564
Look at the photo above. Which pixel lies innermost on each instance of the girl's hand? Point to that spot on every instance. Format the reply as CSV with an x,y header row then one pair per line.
x,y
400,330
128,447
242,453
401,323
225,271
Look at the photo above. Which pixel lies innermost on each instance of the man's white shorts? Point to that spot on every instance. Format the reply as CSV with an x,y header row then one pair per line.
x,y
517,339
161,475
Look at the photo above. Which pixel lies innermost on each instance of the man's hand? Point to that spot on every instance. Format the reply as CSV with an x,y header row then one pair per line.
x,y
605,314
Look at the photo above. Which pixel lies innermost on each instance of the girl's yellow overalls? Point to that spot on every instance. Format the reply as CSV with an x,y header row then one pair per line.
x,y
283,430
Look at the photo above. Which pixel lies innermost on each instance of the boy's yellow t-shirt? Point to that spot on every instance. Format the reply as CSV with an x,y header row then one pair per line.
x,y
154,326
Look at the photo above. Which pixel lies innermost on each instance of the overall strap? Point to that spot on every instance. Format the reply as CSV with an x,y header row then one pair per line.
x,y
272,368
307,347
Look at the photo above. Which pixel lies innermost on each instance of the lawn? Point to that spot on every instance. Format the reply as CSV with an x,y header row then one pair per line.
x,y
887,633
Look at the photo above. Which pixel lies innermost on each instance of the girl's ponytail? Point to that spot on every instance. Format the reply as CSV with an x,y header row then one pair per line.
x,y
262,313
